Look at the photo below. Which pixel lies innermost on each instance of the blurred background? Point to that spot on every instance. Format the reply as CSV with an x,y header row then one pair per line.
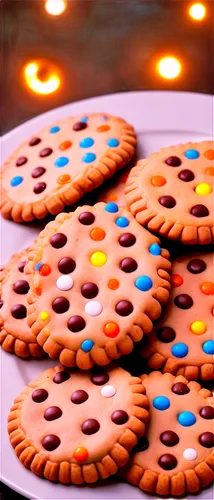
x,y
58,51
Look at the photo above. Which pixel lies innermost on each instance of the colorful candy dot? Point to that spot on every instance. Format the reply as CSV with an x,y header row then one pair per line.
x,y
44,270
87,345
209,171
63,179
161,403
38,265
80,454
89,158
111,329
143,283
155,249
208,347
198,327
93,308
108,391
179,350
176,280
103,128
86,142
54,130
104,118
207,288
191,154
158,181
38,290
15,181
61,161
64,282
111,197
65,145
111,207
113,284
122,222
98,259
44,315
97,234
186,418
203,189
84,119
209,154
112,143
190,454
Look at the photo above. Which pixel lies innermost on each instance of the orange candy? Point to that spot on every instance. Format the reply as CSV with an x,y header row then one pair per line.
x,y
158,181
209,171
44,270
63,179
209,154
80,454
208,288
103,128
176,280
38,290
111,197
65,145
113,284
97,234
111,329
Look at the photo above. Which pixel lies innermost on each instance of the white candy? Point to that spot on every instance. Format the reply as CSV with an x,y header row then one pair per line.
x,y
64,282
93,308
190,454
108,391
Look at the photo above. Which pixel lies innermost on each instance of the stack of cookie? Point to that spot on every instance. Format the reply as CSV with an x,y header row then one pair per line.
x,y
97,285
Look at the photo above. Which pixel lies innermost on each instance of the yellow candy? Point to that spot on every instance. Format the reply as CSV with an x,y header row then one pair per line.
x,y
203,189
198,327
44,315
98,259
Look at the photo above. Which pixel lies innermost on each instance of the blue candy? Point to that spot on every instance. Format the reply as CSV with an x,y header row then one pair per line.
x,y
38,265
87,345
161,403
84,119
111,207
186,418
15,181
89,157
208,347
112,143
155,249
54,130
179,350
143,283
122,222
61,161
191,154
87,142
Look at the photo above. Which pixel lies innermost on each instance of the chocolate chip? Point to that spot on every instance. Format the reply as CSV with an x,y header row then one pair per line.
x,y
45,152
167,462
89,290
173,161
37,172
99,376
119,417
1,303
39,395
19,311
196,266
86,218
124,308
90,426
128,265
186,175
127,239
79,397
76,323
60,305
167,201
199,211
50,442
207,412
183,301
66,265
52,413
39,187
21,161
21,266
34,141
141,445
21,287
61,377
207,439
169,438
166,334
180,389
58,240
79,126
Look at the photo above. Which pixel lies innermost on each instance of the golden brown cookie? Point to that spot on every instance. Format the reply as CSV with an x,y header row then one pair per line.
x,y
182,340
63,162
176,455
171,192
75,427
98,281
115,189
15,334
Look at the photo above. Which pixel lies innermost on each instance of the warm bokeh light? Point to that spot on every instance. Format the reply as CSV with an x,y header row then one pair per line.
x,y
55,7
169,67
197,11
38,85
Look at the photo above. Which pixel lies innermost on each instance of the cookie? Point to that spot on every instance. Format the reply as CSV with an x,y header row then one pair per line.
x,y
76,427
15,334
176,455
182,340
98,281
171,192
115,189
61,163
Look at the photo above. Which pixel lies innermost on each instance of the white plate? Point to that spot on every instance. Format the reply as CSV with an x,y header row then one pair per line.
x,y
160,119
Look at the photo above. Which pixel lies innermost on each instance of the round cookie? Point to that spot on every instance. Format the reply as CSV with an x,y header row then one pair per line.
x,y
76,427
171,192
98,282
115,189
62,162
175,456
182,340
15,334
